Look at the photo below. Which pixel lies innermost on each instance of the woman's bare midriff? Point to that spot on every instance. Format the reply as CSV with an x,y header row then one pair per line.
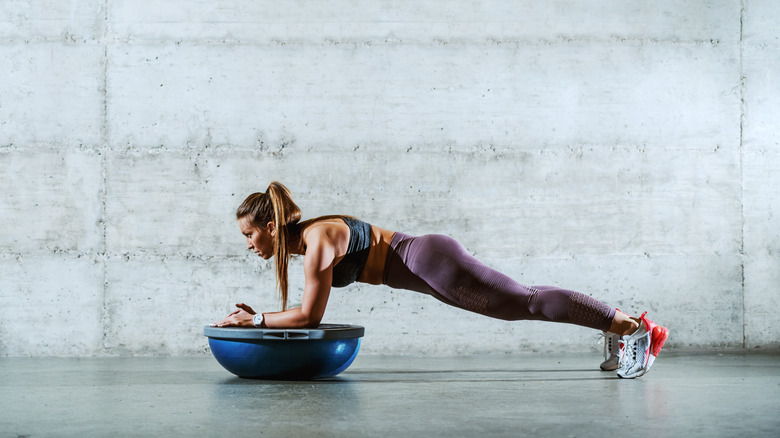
x,y
373,272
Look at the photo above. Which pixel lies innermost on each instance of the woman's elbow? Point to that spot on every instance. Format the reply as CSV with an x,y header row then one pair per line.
x,y
309,320
313,322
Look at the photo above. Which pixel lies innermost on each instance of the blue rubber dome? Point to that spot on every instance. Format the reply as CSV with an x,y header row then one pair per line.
x,y
288,354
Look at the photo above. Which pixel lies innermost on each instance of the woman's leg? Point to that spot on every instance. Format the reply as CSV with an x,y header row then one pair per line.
x,y
440,266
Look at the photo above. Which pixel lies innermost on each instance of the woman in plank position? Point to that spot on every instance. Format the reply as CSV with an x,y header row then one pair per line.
x,y
339,250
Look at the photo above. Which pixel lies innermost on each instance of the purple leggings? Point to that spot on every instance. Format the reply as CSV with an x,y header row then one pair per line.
x,y
441,267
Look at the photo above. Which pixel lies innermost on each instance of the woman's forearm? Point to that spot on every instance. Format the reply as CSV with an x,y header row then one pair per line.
x,y
290,318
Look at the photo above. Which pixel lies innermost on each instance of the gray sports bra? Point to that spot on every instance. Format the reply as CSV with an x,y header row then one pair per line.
x,y
350,267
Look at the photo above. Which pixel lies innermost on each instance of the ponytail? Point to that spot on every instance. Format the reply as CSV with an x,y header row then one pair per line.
x,y
275,205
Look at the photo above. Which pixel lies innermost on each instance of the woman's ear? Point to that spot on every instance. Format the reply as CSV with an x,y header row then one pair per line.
x,y
271,228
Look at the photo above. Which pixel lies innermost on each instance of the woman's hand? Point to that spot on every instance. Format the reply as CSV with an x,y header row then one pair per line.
x,y
246,308
241,317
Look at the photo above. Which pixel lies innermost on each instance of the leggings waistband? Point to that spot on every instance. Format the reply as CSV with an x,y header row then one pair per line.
x,y
398,237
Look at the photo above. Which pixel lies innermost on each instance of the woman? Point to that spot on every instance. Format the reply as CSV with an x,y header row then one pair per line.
x,y
339,250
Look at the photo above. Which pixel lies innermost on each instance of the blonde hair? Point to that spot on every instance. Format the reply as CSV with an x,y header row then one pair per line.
x,y
275,205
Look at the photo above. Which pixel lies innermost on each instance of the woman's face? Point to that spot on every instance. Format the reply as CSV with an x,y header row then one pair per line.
x,y
259,240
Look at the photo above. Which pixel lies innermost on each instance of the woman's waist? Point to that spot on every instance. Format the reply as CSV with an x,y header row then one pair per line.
x,y
374,269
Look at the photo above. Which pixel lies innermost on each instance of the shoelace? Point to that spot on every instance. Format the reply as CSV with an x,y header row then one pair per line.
x,y
628,356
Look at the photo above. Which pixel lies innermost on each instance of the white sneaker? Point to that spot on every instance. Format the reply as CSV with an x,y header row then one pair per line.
x,y
639,350
611,352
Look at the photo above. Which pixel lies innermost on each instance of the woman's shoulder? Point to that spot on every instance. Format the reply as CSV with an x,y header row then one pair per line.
x,y
323,222
323,230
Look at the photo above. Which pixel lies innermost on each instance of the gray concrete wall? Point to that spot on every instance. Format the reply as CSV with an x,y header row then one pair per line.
x,y
625,149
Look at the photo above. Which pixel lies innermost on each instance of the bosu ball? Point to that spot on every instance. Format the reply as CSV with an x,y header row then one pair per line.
x,y
288,354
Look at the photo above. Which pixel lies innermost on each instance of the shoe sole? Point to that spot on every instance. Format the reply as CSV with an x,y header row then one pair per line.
x,y
609,368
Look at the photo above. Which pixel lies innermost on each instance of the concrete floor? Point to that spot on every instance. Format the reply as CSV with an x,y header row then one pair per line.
x,y
686,394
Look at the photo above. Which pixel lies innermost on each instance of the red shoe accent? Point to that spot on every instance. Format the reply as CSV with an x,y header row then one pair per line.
x,y
649,325
658,339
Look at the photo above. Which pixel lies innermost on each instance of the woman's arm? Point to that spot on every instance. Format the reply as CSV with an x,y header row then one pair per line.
x,y
318,274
